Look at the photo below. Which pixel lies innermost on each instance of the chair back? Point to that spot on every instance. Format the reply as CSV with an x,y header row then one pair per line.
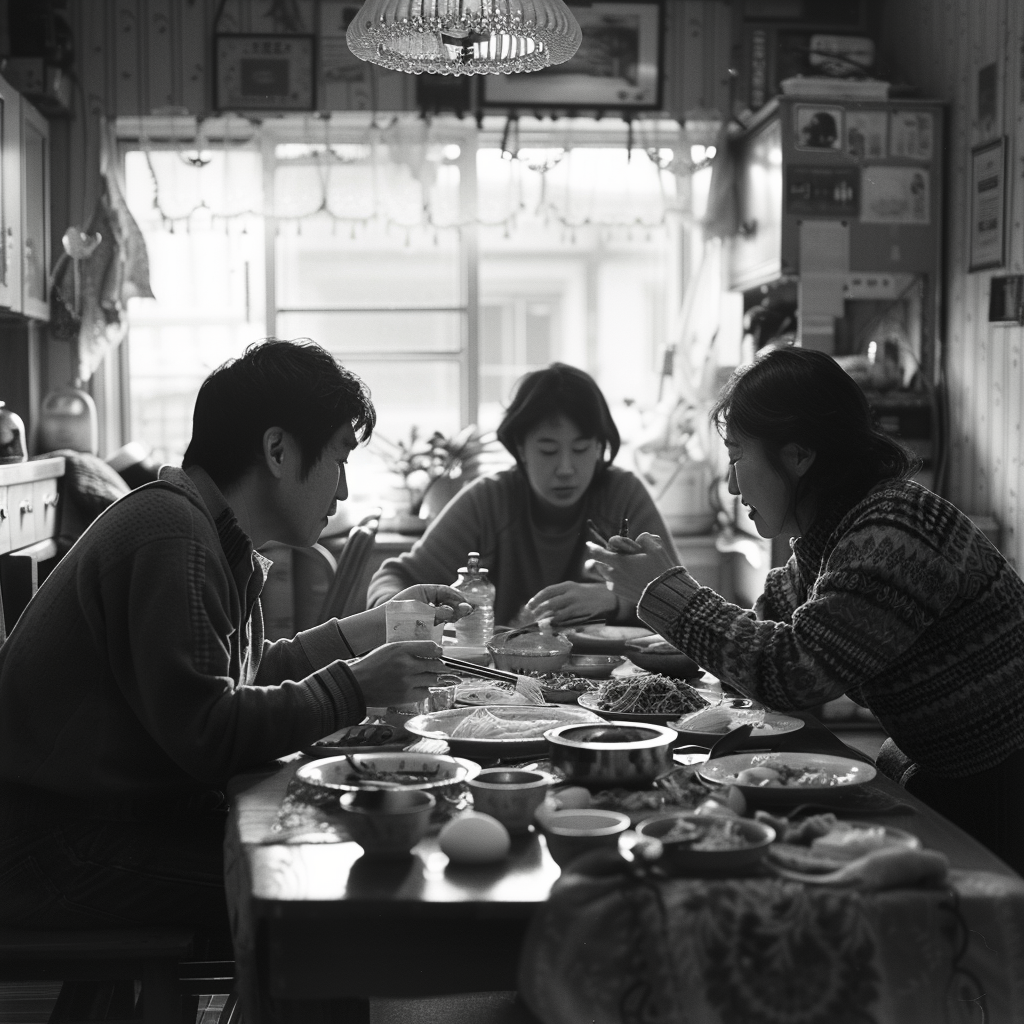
x,y
347,592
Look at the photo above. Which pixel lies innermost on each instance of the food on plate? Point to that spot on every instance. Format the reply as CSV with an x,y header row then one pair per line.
x,y
804,830
728,800
721,718
648,694
395,777
480,691
361,736
714,832
474,838
484,724
778,773
566,681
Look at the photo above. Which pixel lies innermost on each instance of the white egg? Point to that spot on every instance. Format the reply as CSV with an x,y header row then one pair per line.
x,y
474,839
572,798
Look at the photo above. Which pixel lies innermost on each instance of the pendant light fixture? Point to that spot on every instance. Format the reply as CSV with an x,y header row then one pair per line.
x,y
464,37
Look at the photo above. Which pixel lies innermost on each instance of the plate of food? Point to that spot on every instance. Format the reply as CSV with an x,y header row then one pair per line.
x,y
360,739
599,638
820,843
497,730
564,687
711,844
646,697
404,770
787,778
709,724
481,692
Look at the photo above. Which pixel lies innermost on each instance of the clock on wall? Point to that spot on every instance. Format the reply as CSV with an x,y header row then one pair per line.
x,y
265,72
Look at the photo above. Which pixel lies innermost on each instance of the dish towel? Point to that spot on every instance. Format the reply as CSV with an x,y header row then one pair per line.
x,y
631,948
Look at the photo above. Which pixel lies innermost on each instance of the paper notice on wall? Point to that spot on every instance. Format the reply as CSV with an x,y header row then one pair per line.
x,y
866,134
895,195
911,135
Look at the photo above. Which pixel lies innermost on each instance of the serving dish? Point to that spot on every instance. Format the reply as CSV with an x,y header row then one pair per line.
x,y
441,724
770,725
589,701
656,655
611,753
680,832
437,773
598,638
529,652
827,776
359,739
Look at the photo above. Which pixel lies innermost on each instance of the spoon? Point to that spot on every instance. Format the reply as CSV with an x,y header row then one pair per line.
x,y
731,741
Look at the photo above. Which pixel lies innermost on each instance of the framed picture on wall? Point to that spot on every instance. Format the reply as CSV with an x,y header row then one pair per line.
x,y
988,206
617,67
264,72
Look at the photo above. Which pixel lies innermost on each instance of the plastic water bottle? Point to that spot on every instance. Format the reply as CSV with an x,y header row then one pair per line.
x,y
476,589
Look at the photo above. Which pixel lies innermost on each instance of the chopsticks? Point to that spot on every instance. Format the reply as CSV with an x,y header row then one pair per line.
x,y
507,679
599,538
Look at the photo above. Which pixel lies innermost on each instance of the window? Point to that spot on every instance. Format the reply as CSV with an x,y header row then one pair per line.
x,y
425,257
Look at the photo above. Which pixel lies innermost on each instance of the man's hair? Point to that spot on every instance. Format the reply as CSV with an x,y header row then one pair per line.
x,y
295,385
559,389
804,396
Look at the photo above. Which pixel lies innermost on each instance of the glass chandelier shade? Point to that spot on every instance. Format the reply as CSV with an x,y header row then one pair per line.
x,y
464,37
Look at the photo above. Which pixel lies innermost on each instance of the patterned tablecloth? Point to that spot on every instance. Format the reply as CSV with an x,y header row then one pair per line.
x,y
631,948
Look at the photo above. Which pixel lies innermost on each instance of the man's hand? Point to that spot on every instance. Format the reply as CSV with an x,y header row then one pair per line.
x,y
629,565
449,604
399,672
562,602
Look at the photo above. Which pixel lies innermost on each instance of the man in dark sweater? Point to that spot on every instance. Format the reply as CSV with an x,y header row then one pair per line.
x,y
138,680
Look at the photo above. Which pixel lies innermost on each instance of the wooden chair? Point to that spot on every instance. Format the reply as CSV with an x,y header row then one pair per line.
x,y
347,592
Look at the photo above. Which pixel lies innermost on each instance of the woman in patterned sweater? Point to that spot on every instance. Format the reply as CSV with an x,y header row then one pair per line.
x,y
892,596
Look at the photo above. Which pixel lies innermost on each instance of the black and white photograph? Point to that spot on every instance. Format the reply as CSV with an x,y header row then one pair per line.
x,y
510,512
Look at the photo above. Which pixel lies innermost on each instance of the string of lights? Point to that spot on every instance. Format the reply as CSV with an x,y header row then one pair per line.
x,y
327,157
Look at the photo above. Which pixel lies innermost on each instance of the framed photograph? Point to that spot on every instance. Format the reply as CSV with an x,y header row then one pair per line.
x,y
818,127
988,206
617,67
265,72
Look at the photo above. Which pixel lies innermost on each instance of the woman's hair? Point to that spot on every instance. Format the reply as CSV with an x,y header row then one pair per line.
x,y
804,396
559,389
295,385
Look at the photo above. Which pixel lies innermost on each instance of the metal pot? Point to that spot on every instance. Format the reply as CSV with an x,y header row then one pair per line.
x,y
611,753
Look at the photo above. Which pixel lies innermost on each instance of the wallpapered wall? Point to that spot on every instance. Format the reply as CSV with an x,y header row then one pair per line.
x,y
940,45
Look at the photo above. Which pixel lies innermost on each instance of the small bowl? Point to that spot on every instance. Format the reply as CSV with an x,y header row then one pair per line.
x,y
443,775
679,857
594,666
509,795
538,653
571,833
387,823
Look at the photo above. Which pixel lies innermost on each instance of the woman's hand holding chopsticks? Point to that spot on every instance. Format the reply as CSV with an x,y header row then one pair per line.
x,y
629,565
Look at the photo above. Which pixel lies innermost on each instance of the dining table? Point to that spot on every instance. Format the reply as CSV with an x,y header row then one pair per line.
x,y
315,923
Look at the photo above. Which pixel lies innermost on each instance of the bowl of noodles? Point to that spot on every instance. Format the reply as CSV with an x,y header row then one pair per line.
x,y
498,730
646,697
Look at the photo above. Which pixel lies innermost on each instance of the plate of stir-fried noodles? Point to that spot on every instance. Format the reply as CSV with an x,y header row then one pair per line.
x,y
646,697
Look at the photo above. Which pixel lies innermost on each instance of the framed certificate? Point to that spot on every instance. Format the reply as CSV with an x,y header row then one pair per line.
x,y
264,72
988,206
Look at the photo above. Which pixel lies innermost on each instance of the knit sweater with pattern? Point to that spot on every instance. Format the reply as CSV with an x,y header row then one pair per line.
x,y
495,516
899,602
140,666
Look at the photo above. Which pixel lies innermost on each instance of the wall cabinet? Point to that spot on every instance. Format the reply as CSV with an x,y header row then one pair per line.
x,y
24,206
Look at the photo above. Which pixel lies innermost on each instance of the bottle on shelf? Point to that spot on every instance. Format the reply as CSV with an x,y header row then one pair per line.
x,y
476,628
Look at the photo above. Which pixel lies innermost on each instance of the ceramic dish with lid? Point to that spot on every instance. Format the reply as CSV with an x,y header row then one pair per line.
x,y
532,652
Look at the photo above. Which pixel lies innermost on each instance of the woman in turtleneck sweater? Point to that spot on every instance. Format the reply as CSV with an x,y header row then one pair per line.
x,y
529,522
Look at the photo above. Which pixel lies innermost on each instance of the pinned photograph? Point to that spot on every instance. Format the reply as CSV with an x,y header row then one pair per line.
x,y
818,127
